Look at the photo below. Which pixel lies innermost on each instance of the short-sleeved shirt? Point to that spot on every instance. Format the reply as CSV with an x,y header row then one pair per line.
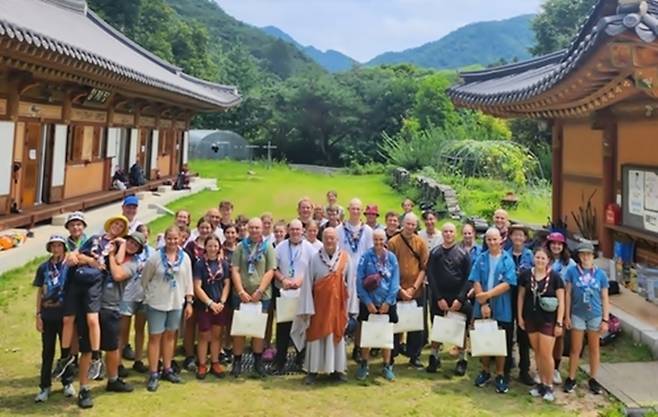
x,y
113,291
586,286
265,261
504,271
72,244
213,288
51,278
133,291
547,287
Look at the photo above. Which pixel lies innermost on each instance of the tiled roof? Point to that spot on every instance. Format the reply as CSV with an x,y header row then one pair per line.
x,y
69,28
511,84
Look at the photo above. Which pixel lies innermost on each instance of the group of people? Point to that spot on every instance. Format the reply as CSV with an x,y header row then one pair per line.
x,y
341,269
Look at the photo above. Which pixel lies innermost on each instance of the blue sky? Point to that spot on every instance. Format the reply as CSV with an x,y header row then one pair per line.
x,y
366,28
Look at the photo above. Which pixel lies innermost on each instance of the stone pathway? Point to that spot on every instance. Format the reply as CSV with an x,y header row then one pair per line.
x,y
150,208
635,384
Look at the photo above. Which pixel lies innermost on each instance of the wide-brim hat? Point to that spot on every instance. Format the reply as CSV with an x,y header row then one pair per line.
x,y
138,238
112,219
517,226
76,215
56,238
585,247
556,237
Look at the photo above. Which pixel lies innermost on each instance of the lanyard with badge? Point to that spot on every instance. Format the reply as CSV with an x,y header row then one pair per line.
x,y
293,256
585,279
254,253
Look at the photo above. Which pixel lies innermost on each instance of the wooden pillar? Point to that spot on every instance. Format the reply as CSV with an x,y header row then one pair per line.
x,y
556,176
609,178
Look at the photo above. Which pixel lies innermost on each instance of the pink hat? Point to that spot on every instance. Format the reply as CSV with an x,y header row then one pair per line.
x,y
556,237
372,209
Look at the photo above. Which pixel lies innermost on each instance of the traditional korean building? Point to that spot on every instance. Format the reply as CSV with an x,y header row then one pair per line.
x,y
600,98
78,100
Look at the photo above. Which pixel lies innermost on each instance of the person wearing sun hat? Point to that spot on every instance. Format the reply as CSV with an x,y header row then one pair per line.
x,y
588,311
50,281
372,214
76,225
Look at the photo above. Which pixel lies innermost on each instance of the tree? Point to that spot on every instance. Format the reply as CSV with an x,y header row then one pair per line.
x,y
558,23
432,105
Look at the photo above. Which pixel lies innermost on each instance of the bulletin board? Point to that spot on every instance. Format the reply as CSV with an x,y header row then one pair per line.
x,y
640,197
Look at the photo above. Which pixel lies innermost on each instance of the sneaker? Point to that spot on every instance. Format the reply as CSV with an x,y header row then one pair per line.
x,y
416,363
189,364
526,379
139,367
128,353
434,364
201,372
61,366
269,354
69,391
536,378
123,372
279,370
462,366
482,379
153,382
356,355
42,396
549,395
502,387
537,391
217,370
171,376
236,370
569,385
595,387
84,399
259,370
96,369
118,385
388,373
362,371
557,378
174,366
310,379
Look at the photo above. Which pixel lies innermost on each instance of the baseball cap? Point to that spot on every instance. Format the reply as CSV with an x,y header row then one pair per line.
x,y
131,200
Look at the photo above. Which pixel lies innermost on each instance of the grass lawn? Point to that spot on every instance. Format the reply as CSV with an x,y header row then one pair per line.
x,y
277,190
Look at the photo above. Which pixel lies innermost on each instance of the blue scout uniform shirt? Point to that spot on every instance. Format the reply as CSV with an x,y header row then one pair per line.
x,y
503,271
586,286
388,288
52,279
561,268
525,261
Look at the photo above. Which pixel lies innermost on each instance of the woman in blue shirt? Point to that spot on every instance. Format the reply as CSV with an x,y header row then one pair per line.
x,y
377,285
588,310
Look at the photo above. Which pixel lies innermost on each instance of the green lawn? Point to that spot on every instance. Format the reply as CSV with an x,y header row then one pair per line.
x,y
276,190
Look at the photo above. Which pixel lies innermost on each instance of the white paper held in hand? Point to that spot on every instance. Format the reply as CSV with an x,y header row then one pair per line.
x,y
448,330
488,343
410,317
377,332
286,308
485,325
249,321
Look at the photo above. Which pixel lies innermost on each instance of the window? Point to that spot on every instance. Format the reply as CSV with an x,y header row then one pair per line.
x,y
86,144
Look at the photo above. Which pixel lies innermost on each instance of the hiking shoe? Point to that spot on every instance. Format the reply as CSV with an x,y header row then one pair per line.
x,y
69,391
153,382
569,385
526,379
62,365
236,370
84,399
269,354
537,391
171,376
388,373
128,353
416,363
549,395
42,396
96,369
279,371
201,372
139,367
217,370
362,371
434,364
123,372
310,379
502,387
595,387
356,355
259,370
461,367
189,364
118,385
339,377
557,378
482,379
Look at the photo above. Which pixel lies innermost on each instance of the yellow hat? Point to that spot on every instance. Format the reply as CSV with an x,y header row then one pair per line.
x,y
112,219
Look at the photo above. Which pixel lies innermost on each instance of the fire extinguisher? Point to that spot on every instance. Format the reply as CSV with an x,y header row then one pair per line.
x,y
613,213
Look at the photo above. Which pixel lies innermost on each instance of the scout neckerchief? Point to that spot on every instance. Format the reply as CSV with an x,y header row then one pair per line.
x,y
55,281
353,237
255,253
534,285
330,262
585,279
73,244
214,276
171,269
293,256
382,264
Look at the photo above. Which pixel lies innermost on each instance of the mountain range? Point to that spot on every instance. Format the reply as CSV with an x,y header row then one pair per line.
x,y
482,43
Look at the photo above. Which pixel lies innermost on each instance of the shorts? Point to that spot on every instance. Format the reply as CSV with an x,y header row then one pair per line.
x,y
467,309
392,313
264,303
545,328
109,325
591,325
206,319
159,320
82,298
130,308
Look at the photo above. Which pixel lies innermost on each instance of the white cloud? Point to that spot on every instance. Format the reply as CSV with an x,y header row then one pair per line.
x,y
366,28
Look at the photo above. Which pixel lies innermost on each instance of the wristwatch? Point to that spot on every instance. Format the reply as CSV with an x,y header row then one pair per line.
x,y
209,303
559,324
